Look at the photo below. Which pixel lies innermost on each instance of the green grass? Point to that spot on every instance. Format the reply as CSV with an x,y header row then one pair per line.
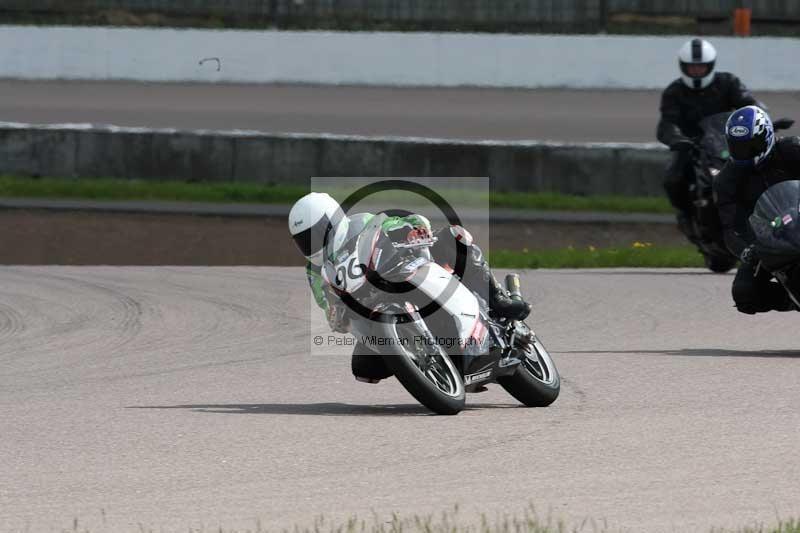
x,y
448,522
637,255
121,189
564,202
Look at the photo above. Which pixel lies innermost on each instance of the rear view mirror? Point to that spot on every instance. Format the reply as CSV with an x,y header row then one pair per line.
x,y
783,123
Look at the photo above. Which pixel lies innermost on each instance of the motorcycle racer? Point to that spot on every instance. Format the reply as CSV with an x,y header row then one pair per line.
x,y
758,161
317,213
700,92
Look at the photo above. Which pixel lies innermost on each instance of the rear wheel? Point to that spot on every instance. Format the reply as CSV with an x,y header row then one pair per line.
x,y
536,382
428,373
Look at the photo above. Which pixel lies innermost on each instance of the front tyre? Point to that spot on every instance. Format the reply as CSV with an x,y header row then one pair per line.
x,y
428,373
536,382
720,265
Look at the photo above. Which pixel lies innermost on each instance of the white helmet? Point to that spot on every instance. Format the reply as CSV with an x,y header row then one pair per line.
x,y
309,219
697,58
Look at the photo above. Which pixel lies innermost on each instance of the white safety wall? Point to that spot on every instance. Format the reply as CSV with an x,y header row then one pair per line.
x,y
385,58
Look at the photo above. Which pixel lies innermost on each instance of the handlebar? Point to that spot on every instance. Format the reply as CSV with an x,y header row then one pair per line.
x,y
417,244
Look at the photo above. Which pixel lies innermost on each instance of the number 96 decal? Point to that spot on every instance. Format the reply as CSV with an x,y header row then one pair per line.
x,y
348,276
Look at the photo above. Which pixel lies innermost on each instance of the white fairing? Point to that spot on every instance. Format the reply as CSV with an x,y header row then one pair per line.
x,y
432,279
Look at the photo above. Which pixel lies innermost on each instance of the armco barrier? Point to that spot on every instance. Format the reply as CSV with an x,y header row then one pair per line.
x,y
246,156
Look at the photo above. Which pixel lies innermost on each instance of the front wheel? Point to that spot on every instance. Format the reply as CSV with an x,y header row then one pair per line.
x,y
536,382
428,373
719,264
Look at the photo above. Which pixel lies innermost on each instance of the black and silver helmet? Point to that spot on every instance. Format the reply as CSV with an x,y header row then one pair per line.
x,y
697,58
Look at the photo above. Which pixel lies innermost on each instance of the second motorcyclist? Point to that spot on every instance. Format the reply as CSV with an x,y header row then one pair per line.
x,y
758,161
700,92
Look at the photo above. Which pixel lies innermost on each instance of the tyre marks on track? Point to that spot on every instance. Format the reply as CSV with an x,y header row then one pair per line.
x,y
11,321
122,312
117,323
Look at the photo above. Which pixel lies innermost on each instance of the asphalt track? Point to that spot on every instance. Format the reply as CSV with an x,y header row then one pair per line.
x,y
166,398
462,113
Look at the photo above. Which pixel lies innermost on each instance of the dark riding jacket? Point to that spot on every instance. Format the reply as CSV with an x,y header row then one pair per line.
x,y
738,188
683,108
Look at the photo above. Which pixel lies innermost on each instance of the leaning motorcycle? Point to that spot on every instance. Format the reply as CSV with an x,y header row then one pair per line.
x,y
704,229
438,338
776,227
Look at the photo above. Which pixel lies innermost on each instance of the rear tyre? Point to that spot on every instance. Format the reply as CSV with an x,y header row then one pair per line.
x,y
536,382
428,373
720,265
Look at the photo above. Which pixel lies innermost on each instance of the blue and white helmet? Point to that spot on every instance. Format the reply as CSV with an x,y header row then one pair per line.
x,y
750,135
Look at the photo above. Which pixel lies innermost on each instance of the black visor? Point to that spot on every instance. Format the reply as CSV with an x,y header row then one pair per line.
x,y
310,240
746,149
708,68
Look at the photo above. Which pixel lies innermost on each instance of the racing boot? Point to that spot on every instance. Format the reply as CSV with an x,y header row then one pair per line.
x,y
479,278
477,275
501,303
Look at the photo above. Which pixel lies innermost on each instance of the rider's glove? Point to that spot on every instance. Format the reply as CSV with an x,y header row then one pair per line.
x,y
682,145
749,256
418,235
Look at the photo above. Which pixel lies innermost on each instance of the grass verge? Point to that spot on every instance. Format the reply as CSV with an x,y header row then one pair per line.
x,y
565,202
449,522
637,255
122,189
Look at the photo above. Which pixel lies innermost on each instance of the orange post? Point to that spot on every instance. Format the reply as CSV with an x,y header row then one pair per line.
x,y
741,21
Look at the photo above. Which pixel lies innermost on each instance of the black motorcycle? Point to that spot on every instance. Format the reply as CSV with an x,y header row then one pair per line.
x,y
704,229
776,226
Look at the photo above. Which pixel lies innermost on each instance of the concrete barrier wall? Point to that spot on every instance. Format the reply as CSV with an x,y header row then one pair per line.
x,y
86,151
403,59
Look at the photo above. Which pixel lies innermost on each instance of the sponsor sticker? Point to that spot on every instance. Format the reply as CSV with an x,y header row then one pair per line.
x,y
779,222
472,378
739,131
416,263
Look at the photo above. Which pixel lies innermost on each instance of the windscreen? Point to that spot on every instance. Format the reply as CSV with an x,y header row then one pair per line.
x,y
776,220
713,142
